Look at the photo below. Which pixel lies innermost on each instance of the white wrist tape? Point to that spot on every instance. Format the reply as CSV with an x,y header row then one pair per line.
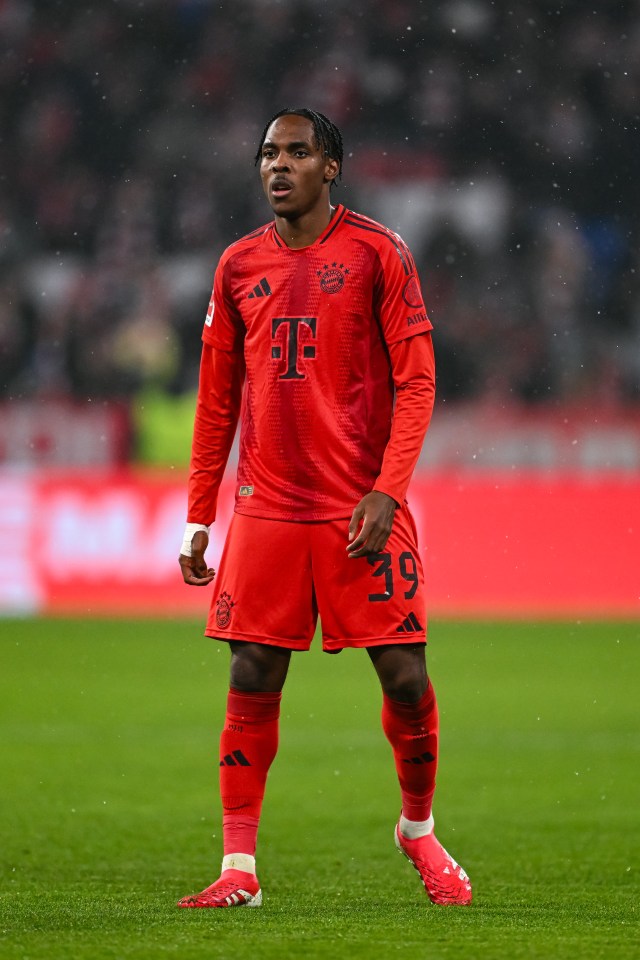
x,y
190,530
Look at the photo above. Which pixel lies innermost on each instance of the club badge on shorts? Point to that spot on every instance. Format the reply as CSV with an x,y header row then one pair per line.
x,y
224,603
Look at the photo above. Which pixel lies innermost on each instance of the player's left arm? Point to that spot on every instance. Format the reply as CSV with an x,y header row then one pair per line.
x,y
413,370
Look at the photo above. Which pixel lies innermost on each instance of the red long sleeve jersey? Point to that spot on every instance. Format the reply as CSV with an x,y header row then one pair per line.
x,y
326,333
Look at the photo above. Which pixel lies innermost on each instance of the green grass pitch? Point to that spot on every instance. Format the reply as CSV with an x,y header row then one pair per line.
x,y
109,809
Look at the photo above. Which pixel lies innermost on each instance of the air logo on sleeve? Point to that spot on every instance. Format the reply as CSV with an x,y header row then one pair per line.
x,y
209,319
292,353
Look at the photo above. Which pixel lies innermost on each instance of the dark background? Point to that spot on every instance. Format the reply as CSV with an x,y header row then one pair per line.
x,y
500,139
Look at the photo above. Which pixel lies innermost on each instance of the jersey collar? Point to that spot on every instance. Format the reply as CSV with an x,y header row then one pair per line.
x,y
335,221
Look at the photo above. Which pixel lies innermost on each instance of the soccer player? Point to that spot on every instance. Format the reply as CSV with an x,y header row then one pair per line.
x,y
317,337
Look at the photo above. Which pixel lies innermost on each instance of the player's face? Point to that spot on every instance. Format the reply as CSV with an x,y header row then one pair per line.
x,y
296,174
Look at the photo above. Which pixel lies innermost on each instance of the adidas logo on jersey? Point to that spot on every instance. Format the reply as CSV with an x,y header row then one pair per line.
x,y
410,624
261,289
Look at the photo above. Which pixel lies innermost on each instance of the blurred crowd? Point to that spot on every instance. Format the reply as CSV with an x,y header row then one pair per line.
x,y
500,139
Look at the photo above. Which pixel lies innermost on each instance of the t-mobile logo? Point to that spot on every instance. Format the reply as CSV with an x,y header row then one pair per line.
x,y
291,344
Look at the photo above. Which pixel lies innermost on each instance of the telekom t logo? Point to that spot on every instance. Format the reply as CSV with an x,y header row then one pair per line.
x,y
291,344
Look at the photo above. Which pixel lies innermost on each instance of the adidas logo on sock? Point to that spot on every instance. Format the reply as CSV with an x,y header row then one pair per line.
x,y
423,758
261,289
410,625
235,759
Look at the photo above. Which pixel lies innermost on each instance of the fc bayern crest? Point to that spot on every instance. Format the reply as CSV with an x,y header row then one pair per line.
x,y
224,603
332,277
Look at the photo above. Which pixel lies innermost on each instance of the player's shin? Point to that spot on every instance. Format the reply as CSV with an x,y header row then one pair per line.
x,y
412,731
248,745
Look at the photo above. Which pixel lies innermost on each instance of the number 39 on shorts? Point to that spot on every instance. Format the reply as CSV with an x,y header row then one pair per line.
x,y
383,567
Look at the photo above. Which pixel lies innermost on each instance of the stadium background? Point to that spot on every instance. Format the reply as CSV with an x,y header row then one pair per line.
x,y
498,139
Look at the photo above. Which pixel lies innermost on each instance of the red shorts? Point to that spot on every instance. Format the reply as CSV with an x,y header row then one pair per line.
x,y
276,576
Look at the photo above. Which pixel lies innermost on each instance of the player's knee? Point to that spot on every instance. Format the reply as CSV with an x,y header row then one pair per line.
x,y
258,669
404,679
405,687
402,671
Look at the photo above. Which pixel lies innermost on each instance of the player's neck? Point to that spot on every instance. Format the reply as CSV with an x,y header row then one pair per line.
x,y
302,231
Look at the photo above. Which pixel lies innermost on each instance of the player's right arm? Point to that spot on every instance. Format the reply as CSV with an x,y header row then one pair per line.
x,y
216,419
222,371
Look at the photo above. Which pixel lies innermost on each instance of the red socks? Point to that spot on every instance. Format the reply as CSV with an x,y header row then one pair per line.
x,y
412,731
248,744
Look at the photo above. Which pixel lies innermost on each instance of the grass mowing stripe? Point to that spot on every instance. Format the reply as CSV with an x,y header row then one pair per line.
x,y
108,746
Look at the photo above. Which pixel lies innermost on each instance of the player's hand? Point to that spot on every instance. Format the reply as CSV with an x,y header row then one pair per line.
x,y
195,571
371,524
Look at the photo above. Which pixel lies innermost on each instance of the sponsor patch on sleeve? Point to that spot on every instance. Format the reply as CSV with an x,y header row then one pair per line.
x,y
417,318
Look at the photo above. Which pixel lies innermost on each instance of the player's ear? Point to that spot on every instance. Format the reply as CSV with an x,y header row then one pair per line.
x,y
331,170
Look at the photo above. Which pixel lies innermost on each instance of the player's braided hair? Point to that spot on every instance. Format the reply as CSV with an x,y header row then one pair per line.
x,y
327,135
